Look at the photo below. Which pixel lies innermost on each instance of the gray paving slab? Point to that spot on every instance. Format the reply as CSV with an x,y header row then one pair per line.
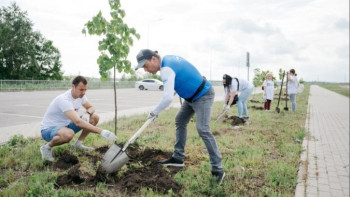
x,y
326,146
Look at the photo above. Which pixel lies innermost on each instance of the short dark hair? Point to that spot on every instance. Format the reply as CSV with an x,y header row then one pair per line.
x,y
79,79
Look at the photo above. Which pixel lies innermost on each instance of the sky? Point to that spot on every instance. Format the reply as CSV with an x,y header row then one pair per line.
x,y
311,36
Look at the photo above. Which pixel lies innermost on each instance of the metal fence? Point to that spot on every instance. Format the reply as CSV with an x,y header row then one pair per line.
x,y
20,85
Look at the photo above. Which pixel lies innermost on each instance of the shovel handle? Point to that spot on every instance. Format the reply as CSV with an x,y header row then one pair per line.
x,y
221,115
132,139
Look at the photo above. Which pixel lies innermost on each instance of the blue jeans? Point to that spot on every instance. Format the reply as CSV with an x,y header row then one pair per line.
x,y
241,104
202,109
293,98
51,132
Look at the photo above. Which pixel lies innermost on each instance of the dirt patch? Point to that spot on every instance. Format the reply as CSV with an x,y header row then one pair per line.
x,y
256,107
233,120
65,161
143,170
345,86
254,101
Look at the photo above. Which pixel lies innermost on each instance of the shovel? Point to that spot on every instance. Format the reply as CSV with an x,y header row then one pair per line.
x,y
116,157
221,116
286,107
279,97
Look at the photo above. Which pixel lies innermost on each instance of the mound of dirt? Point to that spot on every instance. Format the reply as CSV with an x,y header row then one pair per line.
x,y
234,120
143,170
257,107
254,101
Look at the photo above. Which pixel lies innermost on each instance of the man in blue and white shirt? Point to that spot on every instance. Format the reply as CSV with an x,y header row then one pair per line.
x,y
180,76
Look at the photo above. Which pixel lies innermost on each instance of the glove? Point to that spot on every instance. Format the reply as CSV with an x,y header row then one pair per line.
x,y
85,117
224,107
108,135
227,107
152,115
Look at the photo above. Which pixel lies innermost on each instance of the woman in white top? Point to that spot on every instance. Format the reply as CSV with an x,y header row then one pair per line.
x,y
232,87
292,87
268,91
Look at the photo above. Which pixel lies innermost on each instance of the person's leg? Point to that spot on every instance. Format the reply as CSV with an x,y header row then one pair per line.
x,y
202,108
292,98
94,118
181,120
64,135
54,136
268,104
241,104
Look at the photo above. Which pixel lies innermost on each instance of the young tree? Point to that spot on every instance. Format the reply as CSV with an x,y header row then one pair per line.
x,y
259,77
25,54
114,47
280,73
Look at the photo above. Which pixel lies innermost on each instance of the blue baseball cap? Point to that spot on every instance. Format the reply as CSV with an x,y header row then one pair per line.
x,y
143,56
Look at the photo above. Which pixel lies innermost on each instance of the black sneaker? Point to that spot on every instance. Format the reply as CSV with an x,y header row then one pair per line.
x,y
246,118
242,120
219,176
172,162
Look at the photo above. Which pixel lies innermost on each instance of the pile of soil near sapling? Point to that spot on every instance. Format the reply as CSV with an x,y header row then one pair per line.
x,y
234,120
143,170
254,101
256,107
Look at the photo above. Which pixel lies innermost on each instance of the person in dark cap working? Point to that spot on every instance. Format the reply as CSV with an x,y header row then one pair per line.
x,y
180,76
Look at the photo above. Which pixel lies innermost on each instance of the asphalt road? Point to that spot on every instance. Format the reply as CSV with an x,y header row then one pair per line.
x,y
18,108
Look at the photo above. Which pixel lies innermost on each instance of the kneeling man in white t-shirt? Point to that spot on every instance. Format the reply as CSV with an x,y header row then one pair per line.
x,y
61,120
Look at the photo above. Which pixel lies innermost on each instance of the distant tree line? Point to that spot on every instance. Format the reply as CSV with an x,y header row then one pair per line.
x,y
24,53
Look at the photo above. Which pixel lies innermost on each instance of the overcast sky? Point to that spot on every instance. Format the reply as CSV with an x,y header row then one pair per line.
x,y
311,36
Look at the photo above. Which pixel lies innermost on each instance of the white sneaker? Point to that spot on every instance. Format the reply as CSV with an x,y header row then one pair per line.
x,y
46,153
108,135
82,147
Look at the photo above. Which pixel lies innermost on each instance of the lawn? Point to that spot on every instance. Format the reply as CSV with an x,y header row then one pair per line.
x,y
342,89
260,159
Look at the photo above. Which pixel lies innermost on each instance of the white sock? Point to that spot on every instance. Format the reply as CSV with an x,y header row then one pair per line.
x,y
79,143
47,146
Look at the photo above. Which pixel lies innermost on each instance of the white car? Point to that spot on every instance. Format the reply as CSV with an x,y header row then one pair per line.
x,y
149,84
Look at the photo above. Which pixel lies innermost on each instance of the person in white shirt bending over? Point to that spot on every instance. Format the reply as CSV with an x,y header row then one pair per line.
x,y
232,87
61,120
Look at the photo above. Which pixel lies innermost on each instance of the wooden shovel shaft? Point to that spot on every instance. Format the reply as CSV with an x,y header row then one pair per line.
x,y
279,97
132,139
221,115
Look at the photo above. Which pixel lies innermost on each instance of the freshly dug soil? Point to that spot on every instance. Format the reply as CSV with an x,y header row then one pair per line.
x,y
257,107
143,170
233,120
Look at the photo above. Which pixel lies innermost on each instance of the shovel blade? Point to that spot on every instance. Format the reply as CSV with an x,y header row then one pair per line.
x,y
114,159
278,110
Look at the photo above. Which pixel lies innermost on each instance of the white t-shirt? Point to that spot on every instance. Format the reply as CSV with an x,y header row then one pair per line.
x,y
269,87
55,115
292,85
243,84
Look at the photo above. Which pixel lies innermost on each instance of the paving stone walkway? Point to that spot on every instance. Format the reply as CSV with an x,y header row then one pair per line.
x,y
324,169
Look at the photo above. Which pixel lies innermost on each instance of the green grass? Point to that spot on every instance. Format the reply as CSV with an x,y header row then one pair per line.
x,y
260,159
342,89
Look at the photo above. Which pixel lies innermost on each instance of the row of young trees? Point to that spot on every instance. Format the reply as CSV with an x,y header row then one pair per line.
x,y
24,53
